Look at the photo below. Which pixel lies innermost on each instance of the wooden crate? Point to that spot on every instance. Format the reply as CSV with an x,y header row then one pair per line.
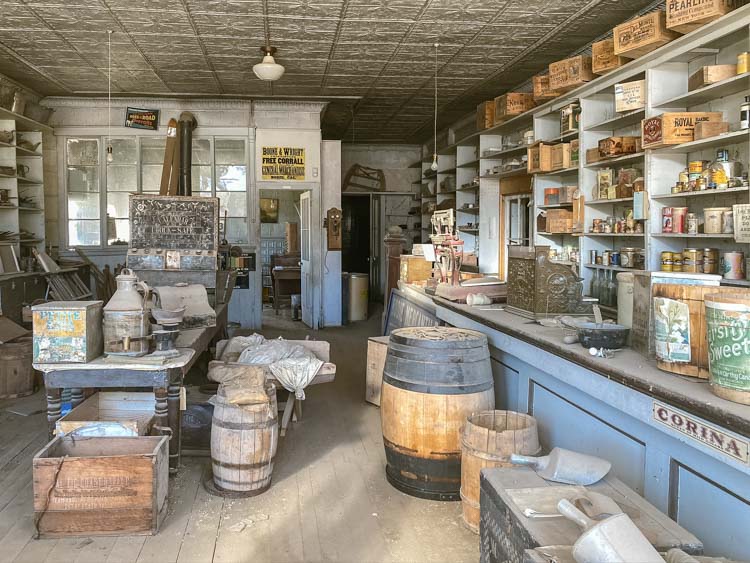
x,y
603,58
674,128
592,155
377,347
570,73
706,129
709,75
630,96
685,17
485,115
101,486
414,268
111,413
511,104
617,146
539,158
542,90
561,156
67,331
575,152
640,36
559,221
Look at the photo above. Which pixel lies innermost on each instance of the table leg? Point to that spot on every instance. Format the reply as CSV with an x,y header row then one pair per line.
x,y
76,397
175,423
53,410
161,414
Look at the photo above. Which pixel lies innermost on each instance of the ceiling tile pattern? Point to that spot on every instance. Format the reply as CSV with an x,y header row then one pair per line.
x,y
372,59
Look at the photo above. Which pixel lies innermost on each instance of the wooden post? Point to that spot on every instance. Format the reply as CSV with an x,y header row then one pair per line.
x,y
394,246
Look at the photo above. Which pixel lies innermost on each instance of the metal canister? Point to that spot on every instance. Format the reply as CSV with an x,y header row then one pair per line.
x,y
640,259
679,217
605,258
667,263
676,261
743,62
710,260
666,220
727,222
691,224
713,219
692,260
593,255
733,265
627,257
614,258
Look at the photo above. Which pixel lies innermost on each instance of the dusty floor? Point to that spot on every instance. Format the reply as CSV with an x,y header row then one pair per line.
x,y
329,500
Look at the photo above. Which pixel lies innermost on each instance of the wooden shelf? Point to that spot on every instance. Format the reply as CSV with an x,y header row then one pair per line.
x,y
616,160
24,123
448,171
609,201
470,164
469,231
618,121
467,189
513,124
699,235
738,283
508,174
28,181
619,235
556,206
558,172
727,87
546,234
611,268
718,141
473,210
498,155
25,153
702,193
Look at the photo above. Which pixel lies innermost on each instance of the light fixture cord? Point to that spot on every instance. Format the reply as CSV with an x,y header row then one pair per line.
x,y
109,86
434,155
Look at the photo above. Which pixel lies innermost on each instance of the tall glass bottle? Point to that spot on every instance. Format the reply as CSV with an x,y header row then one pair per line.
x,y
612,289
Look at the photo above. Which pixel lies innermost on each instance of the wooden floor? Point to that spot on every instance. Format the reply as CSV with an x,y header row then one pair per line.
x,y
329,500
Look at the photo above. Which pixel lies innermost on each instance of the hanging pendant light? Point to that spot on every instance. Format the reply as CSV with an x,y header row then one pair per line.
x,y
434,165
110,156
268,69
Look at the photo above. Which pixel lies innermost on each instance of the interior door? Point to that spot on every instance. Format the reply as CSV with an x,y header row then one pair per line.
x,y
517,221
307,284
376,244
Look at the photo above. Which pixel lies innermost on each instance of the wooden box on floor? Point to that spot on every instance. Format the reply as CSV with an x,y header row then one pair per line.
x,y
101,486
642,35
111,413
377,347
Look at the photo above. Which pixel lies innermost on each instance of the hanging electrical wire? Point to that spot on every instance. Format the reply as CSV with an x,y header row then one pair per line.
x,y
434,165
110,156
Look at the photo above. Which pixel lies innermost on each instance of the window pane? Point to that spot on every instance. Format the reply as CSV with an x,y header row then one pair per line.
x,y
237,231
83,233
83,179
124,151
202,194
83,152
150,177
231,178
152,150
201,178
122,178
201,151
233,203
230,151
83,205
118,205
118,231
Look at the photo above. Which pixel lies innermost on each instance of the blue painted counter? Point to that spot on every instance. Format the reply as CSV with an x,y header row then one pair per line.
x,y
684,449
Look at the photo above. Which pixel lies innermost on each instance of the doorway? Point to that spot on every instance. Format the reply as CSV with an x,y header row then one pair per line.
x,y
355,255
517,216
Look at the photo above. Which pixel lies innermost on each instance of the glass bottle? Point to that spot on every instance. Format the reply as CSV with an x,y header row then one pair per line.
x,y
595,284
718,179
612,287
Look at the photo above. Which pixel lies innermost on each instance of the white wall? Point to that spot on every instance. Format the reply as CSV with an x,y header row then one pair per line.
x,y
393,160
331,197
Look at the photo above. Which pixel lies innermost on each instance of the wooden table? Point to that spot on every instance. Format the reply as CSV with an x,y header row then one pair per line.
x,y
165,379
290,279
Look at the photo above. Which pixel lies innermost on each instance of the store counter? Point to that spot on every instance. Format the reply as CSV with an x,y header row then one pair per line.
x,y
667,436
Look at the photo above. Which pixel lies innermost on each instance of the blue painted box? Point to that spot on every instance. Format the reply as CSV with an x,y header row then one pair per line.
x,y
67,331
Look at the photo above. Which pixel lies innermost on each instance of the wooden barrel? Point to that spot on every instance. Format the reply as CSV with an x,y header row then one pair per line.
x,y
16,372
728,335
243,445
488,440
434,377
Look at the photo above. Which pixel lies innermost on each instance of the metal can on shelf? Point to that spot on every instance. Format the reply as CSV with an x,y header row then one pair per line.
x,y
712,217
640,259
727,222
628,257
596,226
593,255
605,258
697,166
614,258
743,62
733,265
679,217
666,220
692,260
676,261
691,224
667,263
710,260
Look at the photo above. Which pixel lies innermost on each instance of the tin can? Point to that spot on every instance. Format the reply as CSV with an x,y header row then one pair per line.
x,y
696,166
710,260
727,222
593,255
692,260
667,263
743,62
713,219
691,224
733,265
596,225
628,257
666,220
614,258
676,261
640,259
605,258
679,216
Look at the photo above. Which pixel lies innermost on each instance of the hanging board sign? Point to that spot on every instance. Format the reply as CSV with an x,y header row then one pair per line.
x,y
174,223
283,163
142,118
742,223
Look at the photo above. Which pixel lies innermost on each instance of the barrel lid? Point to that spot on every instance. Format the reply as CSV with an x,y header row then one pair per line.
x,y
439,337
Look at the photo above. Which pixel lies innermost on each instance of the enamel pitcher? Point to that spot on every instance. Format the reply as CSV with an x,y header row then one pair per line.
x,y
126,319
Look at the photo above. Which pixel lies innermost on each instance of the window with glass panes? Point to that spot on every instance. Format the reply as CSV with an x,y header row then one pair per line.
x,y
99,190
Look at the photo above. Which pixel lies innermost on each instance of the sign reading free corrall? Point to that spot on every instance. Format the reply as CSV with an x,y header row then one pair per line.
x,y
728,331
282,163
699,431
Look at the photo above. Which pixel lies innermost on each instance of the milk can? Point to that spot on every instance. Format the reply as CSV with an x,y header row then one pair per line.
x,y
126,324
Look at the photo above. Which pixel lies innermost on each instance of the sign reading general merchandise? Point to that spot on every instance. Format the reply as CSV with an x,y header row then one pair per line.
x,y
283,163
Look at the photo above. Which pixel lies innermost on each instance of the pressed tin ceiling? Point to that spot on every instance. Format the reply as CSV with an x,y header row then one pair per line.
x,y
373,59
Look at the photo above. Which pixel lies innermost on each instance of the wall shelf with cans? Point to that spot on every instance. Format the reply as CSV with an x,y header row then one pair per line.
x,y
702,193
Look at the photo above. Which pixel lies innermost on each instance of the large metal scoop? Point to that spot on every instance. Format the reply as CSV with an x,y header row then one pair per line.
x,y
614,540
566,466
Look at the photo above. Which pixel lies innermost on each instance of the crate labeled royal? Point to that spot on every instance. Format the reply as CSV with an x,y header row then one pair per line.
x,y
685,16
674,128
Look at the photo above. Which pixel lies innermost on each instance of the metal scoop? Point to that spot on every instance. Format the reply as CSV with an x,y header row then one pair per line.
x,y
566,466
613,540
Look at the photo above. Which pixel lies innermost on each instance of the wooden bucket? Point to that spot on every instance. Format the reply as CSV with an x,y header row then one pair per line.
x,y
243,445
434,377
488,440
728,326
16,372
693,296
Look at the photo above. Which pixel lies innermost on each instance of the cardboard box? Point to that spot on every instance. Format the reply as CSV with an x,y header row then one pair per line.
x,y
710,74
539,158
111,413
674,128
603,58
485,115
542,90
512,104
642,35
561,156
707,129
377,348
559,221
685,16
617,146
630,96
570,73
67,331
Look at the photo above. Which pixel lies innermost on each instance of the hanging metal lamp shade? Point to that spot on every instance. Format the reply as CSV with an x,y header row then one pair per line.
x,y
268,69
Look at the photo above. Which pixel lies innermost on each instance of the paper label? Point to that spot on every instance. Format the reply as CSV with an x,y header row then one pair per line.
x,y
283,163
741,223
672,330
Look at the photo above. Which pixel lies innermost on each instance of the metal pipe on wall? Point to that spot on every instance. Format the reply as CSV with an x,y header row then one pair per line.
x,y
185,128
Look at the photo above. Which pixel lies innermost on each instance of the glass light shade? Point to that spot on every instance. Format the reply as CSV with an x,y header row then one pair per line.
x,y
434,165
269,69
